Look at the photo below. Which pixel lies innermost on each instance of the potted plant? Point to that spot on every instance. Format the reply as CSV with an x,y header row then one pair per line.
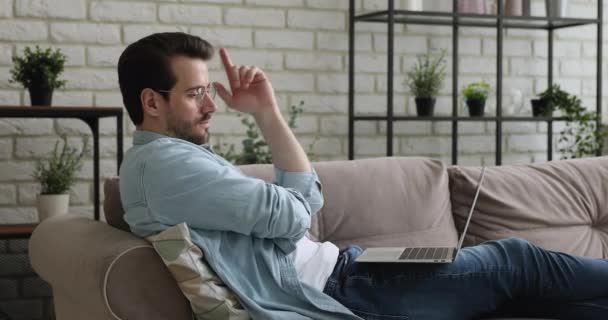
x,y
56,176
475,95
425,79
541,108
581,136
548,101
255,149
38,71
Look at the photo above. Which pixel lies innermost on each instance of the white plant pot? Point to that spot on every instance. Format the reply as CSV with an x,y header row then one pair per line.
x,y
413,5
51,205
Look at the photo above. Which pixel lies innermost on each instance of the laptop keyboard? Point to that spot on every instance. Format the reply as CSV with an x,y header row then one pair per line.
x,y
423,253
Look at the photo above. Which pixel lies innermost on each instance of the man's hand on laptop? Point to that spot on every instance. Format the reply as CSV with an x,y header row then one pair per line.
x,y
251,91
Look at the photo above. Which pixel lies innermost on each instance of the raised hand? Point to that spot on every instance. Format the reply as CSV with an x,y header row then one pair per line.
x,y
251,91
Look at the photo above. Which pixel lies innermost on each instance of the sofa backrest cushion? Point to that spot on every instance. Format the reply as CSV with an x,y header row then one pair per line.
x,y
381,202
370,202
112,207
559,205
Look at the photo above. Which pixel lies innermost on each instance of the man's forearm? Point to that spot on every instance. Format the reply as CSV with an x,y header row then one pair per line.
x,y
287,153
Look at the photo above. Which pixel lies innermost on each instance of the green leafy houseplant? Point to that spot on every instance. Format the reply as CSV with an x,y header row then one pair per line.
x,y
425,80
476,91
255,149
38,70
475,95
581,136
57,174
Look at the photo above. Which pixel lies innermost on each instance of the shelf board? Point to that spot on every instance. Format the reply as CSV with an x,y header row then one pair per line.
x,y
474,20
8,231
461,118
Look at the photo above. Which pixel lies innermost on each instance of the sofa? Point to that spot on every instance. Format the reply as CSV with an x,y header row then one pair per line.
x,y
100,270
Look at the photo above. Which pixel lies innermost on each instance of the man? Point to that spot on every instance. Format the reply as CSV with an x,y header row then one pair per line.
x,y
254,233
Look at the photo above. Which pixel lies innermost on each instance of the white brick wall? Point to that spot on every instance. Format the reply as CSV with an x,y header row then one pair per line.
x,y
68,9
303,47
14,30
6,8
224,36
189,14
6,148
316,20
284,39
314,61
122,12
255,17
88,33
8,194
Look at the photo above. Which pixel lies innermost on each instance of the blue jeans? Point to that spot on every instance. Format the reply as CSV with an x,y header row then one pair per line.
x,y
503,278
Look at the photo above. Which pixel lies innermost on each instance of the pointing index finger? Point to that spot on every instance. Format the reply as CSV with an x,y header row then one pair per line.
x,y
231,72
225,58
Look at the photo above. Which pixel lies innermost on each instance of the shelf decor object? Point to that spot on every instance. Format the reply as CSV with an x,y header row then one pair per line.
x,y
472,6
413,5
514,8
556,8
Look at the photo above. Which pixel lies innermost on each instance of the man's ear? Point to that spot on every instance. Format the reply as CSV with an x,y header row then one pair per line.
x,y
149,102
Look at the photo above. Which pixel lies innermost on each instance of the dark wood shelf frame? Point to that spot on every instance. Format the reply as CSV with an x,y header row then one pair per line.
x,y
91,116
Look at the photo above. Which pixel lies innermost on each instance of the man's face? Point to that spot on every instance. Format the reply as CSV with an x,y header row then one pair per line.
x,y
187,116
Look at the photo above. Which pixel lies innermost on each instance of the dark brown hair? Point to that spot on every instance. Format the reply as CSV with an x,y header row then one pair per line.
x,y
146,63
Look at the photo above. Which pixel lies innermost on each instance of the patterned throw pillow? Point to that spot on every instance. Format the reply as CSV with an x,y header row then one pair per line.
x,y
208,296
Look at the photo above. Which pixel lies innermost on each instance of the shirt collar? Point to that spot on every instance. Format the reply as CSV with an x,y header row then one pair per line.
x,y
141,137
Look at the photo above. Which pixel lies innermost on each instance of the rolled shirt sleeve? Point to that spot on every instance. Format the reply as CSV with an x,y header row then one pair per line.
x,y
306,183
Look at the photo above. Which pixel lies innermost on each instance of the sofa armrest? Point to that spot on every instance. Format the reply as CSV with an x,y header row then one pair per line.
x,y
105,271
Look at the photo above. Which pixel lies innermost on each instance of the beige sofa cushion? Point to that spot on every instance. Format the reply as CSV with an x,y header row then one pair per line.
x,y
381,202
369,202
560,205
112,207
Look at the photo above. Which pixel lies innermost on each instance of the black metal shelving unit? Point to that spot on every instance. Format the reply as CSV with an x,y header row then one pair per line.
x,y
457,20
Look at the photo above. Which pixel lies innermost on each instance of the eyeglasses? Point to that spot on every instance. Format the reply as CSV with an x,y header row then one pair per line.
x,y
199,93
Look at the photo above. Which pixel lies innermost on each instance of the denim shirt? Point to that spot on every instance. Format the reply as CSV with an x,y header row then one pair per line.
x,y
245,226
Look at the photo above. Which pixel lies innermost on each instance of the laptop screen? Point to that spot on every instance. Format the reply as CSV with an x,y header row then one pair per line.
x,y
466,226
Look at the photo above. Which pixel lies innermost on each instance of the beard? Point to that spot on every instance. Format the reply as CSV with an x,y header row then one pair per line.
x,y
186,130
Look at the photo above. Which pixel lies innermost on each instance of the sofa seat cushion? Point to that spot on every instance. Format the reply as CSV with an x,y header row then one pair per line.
x,y
559,205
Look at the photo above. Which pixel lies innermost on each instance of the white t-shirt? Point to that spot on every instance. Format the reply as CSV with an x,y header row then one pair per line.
x,y
314,261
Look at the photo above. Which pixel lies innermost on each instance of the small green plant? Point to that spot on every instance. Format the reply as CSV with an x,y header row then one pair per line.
x,y
255,149
38,68
581,136
476,91
426,76
57,174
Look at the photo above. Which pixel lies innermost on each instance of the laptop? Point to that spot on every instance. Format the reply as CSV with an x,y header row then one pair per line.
x,y
420,254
